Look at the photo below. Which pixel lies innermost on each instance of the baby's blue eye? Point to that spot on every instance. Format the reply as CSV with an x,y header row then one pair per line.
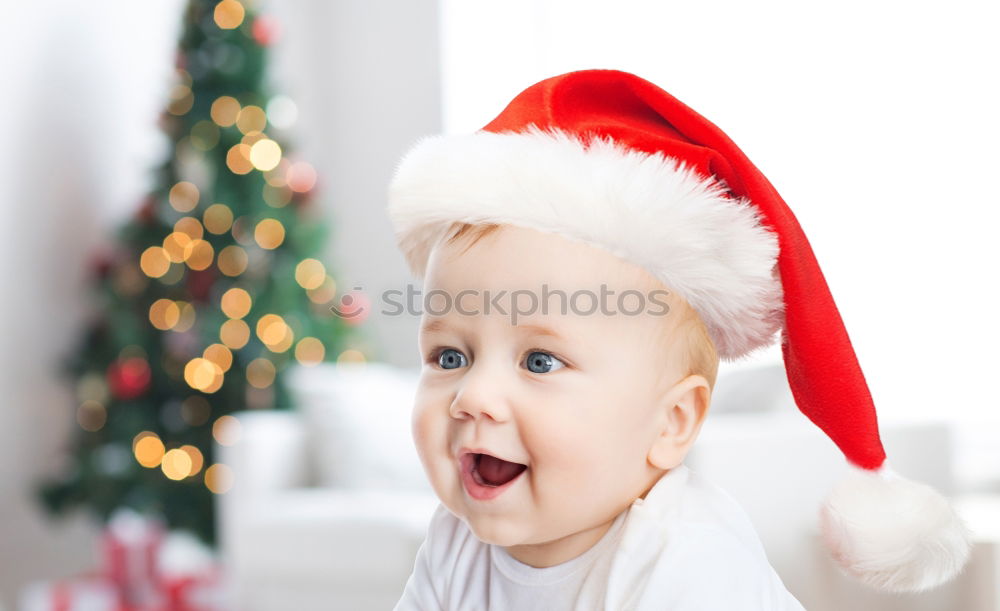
x,y
543,361
449,358
537,361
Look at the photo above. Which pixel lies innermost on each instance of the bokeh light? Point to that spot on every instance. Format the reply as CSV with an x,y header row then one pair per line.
x,y
271,329
219,478
310,273
227,430
184,196
301,177
282,111
191,226
164,314
238,159
236,303
218,218
260,373
225,110
351,356
148,449
154,261
175,245
202,374
234,334
309,351
198,254
277,196
232,260
197,459
91,416
181,100
251,119
265,154
205,135
269,233
187,318
325,293
176,464
229,14
220,355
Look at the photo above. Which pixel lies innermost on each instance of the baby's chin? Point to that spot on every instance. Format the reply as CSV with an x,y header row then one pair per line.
x,y
496,530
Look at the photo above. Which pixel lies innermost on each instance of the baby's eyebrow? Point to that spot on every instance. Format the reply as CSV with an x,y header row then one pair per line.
x,y
539,330
439,325
432,326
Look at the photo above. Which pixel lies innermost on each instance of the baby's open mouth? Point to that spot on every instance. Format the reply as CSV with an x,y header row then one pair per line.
x,y
492,471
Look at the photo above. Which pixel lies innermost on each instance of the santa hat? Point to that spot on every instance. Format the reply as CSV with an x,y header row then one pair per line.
x,y
607,158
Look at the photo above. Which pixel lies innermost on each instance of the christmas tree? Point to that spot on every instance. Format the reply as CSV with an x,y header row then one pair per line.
x,y
211,291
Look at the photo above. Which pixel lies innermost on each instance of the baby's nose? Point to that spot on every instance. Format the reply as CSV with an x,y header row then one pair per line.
x,y
481,396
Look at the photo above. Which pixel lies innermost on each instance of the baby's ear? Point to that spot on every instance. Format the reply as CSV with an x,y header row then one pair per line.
x,y
680,415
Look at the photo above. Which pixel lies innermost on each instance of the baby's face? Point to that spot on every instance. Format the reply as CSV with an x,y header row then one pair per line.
x,y
579,409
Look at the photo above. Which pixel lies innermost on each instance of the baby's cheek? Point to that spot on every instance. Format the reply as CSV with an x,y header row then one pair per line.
x,y
557,440
426,432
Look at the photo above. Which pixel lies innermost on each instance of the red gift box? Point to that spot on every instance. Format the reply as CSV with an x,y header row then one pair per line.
x,y
143,567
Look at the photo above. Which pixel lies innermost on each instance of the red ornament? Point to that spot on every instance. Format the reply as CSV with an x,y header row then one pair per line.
x,y
147,211
200,283
265,30
129,378
101,263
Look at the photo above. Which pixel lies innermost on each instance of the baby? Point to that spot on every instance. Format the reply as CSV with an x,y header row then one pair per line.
x,y
587,259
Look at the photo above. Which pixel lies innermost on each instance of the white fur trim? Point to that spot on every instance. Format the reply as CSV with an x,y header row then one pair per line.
x,y
893,533
651,210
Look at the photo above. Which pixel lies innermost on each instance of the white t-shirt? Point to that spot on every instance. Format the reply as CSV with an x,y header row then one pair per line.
x,y
687,546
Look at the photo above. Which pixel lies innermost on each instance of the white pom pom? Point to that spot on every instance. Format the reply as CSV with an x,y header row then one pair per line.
x,y
892,533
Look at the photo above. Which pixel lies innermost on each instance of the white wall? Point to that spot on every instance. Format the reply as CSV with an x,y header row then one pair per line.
x,y
83,85
367,79
877,123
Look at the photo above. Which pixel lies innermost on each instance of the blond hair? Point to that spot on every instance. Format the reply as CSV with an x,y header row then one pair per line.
x,y
698,355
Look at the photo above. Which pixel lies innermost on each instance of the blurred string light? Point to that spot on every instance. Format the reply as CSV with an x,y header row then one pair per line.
x,y
234,334
218,218
275,333
227,430
148,449
251,120
351,356
282,112
232,260
91,415
205,135
260,372
324,293
310,351
236,303
219,478
190,226
184,196
269,233
310,273
225,110
229,14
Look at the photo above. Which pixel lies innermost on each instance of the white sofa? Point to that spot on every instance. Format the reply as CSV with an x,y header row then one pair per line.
x,y
329,502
